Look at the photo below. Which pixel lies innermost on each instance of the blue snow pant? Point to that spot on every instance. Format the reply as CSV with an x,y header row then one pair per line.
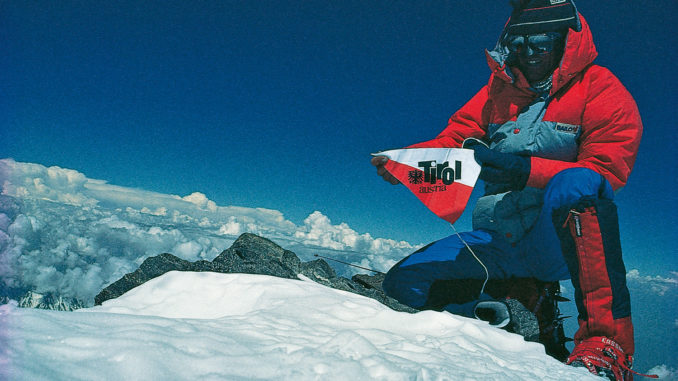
x,y
537,255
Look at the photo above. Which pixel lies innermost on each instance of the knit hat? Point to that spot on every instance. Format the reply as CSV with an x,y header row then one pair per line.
x,y
541,16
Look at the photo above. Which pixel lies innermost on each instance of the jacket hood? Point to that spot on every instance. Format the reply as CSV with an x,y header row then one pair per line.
x,y
579,53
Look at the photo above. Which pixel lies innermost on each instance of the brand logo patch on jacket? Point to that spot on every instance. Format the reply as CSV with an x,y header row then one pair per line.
x,y
568,128
554,2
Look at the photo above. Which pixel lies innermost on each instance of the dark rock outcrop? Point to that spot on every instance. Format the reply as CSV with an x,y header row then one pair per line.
x,y
251,254
151,268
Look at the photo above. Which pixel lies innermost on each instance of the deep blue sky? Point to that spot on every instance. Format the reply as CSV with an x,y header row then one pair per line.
x,y
278,104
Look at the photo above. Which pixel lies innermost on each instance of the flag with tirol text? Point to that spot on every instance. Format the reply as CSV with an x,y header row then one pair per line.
x,y
442,178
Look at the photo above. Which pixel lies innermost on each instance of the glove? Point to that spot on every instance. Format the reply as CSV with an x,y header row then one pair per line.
x,y
508,171
379,161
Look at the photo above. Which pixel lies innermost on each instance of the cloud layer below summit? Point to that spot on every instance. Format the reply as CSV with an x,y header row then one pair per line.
x,y
74,235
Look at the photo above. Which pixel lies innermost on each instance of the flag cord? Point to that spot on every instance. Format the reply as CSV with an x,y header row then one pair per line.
x,y
487,273
350,264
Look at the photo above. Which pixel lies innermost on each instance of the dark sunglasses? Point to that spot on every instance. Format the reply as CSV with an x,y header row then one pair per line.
x,y
539,43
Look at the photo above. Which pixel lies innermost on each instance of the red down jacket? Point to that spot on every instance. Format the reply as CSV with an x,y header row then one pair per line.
x,y
586,100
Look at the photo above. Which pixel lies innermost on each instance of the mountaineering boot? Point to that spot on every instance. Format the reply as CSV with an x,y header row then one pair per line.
x,y
534,311
485,308
602,357
523,321
589,238
541,299
551,330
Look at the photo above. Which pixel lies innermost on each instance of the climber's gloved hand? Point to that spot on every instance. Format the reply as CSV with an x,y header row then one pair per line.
x,y
378,162
508,171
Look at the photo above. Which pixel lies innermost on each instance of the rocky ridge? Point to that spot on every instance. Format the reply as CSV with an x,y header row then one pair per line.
x,y
45,301
251,254
49,302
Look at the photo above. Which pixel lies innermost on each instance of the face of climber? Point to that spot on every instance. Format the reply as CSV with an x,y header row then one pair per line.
x,y
536,55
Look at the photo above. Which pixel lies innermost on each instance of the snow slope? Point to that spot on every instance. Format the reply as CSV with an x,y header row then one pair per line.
x,y
208,326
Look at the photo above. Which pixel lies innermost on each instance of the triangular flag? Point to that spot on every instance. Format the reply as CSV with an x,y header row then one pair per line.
x,y
442,178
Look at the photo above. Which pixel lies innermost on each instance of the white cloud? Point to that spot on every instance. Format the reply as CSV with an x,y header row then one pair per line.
x,y
188,250
201,201
657,284
63,232
160,211
25,180
232,227
318,230
664,372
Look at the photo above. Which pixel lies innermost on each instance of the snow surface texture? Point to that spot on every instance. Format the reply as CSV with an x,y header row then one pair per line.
x,y
209,326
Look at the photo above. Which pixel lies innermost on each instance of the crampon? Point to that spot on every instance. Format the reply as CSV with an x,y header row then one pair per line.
x,y
605,358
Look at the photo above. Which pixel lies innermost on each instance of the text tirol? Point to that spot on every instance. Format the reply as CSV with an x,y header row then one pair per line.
x,y
433,171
